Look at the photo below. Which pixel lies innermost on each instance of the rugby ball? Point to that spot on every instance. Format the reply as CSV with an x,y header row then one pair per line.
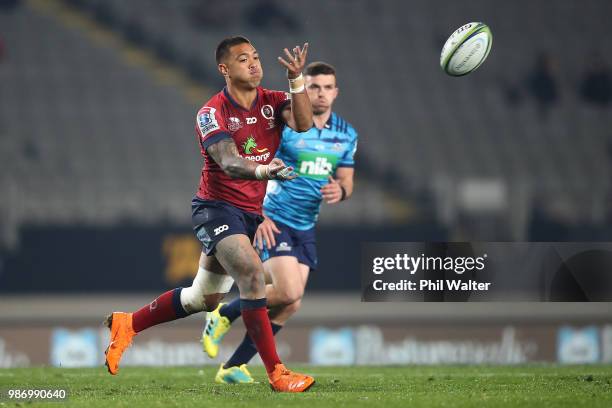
x,y
466,49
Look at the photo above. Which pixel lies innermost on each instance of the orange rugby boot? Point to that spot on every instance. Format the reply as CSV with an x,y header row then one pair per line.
x,y
284,380
120,325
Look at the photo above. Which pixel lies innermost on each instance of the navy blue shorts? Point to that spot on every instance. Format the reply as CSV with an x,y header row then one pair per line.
x,y
293,242
214,220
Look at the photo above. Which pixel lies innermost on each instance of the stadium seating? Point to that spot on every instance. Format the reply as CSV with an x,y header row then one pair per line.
x,y
88,135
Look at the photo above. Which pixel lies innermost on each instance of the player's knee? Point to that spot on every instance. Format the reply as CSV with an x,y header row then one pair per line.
x,y
255,282
251,279
293,307
290,296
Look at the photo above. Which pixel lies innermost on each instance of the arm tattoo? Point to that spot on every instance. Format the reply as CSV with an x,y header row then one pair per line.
x,y
225,154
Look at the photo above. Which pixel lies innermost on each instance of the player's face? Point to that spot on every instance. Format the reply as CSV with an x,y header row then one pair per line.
x,y
242,66
322,92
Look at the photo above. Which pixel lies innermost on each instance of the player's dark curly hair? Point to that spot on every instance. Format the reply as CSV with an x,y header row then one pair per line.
x,y
319,68
227,43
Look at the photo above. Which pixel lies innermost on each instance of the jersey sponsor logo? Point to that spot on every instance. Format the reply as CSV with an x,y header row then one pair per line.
x,y
221,229
249,147
207,122
316,165
234,124
251,121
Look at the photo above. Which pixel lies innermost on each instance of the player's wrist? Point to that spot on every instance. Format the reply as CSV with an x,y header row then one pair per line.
x,y
343,196
297,84
262,172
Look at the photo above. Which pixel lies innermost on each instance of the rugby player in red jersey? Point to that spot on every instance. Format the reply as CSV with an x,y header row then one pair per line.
x,y
239,131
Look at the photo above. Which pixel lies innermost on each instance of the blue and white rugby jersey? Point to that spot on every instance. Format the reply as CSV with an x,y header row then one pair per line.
x,y
315,155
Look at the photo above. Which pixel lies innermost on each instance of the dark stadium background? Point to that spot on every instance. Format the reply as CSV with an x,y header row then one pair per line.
x,y
99,163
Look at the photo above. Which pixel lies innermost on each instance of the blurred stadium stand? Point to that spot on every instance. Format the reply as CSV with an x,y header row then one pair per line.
x,y
87,127
97,138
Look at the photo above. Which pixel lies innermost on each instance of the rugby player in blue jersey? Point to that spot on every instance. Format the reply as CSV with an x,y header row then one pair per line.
x,y
323,159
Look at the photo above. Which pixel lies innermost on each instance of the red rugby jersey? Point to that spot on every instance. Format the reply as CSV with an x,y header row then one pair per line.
x,y
257,134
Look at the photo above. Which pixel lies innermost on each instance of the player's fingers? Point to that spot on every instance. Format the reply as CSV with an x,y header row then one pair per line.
x,y
275,168
277,162
301,56
270,240
285,63
290,57
331,196
328,195
297,52
330,188
304,51
263,240
259,240
274,227
331,179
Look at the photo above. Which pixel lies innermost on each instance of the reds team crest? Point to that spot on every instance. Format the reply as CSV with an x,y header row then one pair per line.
x,y
267,111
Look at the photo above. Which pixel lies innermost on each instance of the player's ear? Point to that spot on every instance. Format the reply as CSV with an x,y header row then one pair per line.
x,y
223,69
336,90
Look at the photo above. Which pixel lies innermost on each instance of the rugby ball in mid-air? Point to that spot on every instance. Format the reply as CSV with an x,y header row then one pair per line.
x,y
466,49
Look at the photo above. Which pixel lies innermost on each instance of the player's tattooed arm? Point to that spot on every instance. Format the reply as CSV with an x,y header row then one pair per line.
x,y
225,154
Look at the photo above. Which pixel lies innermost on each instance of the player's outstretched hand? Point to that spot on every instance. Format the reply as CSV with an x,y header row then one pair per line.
x,y
265,233
278,170
331,192
296,61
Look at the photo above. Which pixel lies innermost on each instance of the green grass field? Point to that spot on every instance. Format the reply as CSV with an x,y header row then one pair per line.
x,y
413,386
